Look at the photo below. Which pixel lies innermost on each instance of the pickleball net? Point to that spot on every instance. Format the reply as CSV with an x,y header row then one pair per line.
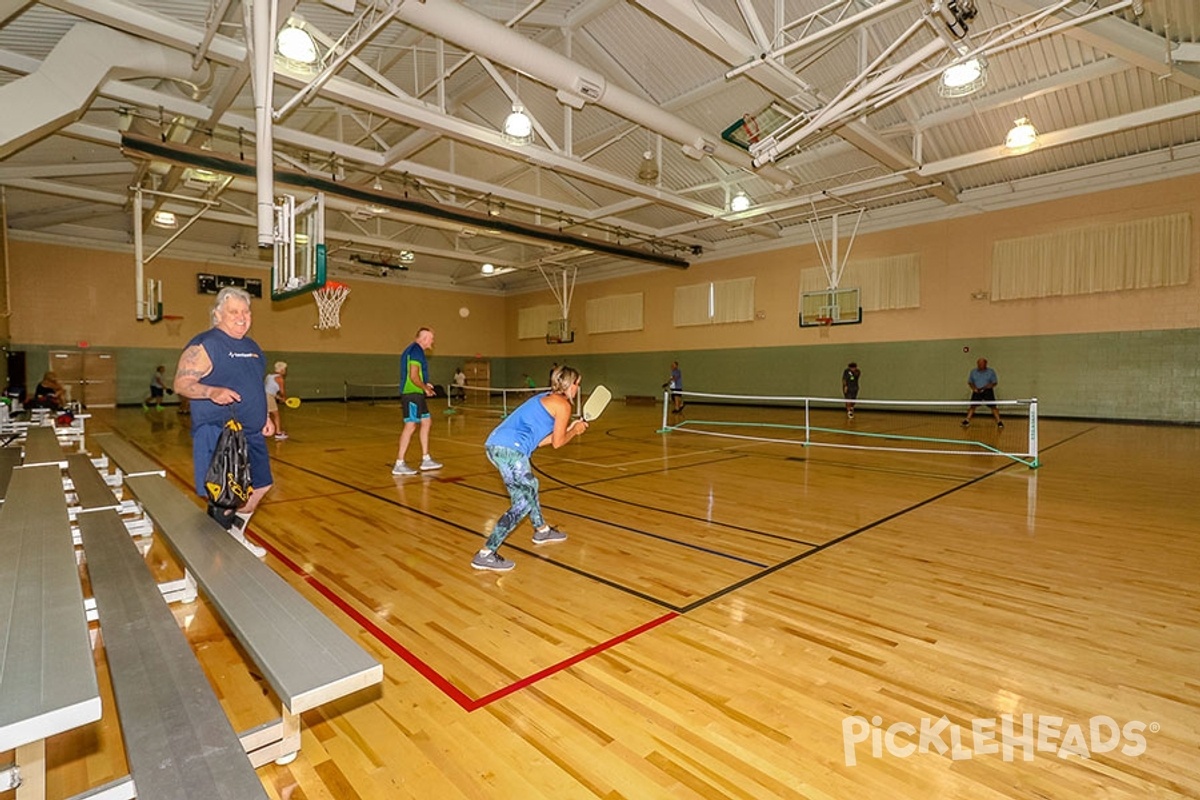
x,y
933,427
492,400
371,393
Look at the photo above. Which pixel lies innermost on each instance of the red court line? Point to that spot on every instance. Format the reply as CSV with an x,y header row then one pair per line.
x,y
432,675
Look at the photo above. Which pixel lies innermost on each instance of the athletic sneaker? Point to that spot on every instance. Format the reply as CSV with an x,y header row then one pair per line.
x,y
487,559
966,423
428,463
237,529
401,468
849,415
999,424
281,436
255,550
551,534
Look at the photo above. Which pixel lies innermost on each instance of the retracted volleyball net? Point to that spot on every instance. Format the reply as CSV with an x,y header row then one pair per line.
x,y
907,426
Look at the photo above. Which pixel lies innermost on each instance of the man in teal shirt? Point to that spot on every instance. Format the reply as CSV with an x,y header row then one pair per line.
x,y
414,389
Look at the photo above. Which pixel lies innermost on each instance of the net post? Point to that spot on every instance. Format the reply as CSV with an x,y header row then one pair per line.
x,y
1033,433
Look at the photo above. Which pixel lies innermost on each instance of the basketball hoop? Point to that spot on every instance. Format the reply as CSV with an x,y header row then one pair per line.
x,y
825,324
329,304
174,323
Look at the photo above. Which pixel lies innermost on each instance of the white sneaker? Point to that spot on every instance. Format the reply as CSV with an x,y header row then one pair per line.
x,y
238,532
403,469
259,552
428,463
281,436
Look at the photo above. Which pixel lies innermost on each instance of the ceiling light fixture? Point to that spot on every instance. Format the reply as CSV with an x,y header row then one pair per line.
x,y
296,46
488,269
376,208
963,78
518,127
1022,138
648,171
164,219
739,203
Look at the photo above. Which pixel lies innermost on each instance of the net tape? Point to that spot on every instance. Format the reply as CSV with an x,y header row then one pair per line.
x,y
329,305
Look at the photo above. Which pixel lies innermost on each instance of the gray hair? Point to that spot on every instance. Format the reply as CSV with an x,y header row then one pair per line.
x,y
223,295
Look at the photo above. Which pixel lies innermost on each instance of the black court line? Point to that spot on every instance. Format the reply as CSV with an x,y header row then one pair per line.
x,y
639,531
869,526
523,550
679,514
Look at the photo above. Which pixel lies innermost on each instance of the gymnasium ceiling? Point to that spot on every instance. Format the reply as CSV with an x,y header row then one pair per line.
x,y
628,169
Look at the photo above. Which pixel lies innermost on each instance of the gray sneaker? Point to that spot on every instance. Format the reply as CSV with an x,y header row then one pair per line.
x,y
403,469
487,559
427,463
551,534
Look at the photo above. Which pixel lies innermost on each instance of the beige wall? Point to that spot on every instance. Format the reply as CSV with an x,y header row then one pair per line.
x,y
955,261
65,296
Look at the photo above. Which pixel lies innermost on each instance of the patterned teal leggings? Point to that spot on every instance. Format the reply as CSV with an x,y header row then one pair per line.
x,y
522,485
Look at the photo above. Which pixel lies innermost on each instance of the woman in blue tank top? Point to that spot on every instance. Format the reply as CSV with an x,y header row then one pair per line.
x,y
542,419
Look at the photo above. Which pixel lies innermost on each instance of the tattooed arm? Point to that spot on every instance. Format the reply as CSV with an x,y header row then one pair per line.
x,y
193,366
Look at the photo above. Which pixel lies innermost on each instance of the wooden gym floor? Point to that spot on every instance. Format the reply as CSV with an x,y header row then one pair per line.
x,y
729,619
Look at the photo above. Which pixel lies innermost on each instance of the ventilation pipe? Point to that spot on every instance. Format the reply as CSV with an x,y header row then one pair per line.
x,y
575,83
263,53
61,89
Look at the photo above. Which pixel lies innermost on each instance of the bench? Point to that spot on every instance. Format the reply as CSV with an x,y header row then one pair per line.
x,y
129,459
91,490
178,742
42,447
9,458
304,657
47,675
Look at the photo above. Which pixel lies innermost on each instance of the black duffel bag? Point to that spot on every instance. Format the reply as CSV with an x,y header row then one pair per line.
x,y
227,481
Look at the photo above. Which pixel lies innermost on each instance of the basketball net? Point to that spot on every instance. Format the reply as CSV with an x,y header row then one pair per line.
x,y
329,304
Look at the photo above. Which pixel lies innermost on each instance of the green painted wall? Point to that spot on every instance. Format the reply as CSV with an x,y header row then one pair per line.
x,y
1139,375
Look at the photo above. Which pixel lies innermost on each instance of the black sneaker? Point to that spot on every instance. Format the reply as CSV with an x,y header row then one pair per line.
x,y
966,423
999,424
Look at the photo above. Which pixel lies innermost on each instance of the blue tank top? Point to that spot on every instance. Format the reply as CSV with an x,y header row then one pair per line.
x,y
238,364
525,428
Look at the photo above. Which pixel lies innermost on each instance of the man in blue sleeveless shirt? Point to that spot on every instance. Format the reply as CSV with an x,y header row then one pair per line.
x,y
223,372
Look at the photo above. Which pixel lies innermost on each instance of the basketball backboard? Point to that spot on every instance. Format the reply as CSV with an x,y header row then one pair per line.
x,y
299,246
830,307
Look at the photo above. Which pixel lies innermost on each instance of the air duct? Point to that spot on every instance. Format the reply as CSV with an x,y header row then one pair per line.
x,y
440,216
61,89
456,23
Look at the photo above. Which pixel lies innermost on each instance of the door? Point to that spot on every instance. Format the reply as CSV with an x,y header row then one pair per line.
x,y
88,376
